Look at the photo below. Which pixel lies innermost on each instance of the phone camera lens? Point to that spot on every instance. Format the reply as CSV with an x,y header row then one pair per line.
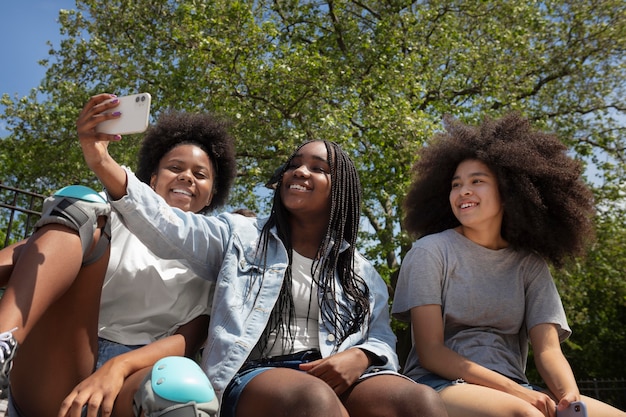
x,y
577,408
143,98
136,99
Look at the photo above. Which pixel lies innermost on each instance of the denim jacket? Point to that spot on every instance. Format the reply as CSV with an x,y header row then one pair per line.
x,y
223,248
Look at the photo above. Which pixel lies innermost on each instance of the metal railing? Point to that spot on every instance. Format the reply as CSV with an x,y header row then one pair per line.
x,y
19,211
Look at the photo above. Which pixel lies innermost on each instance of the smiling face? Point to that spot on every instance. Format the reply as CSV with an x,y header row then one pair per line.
x,y
184,178
306,182
474,197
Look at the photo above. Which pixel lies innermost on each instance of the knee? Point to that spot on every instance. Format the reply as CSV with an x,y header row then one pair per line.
x,y
418,400
83,210
313,399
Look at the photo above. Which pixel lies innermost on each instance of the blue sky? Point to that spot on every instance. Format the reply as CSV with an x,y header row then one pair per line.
x,y
25,27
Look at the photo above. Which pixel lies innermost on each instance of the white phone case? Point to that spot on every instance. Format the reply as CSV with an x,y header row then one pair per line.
x,y
135,116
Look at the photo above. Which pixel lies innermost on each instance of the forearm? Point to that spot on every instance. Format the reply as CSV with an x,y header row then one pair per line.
x,y
444,362
146,356
556,373
109,172
438,358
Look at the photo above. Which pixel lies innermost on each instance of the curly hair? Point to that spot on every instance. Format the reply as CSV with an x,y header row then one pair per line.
x,y
207,131
346,196
548,208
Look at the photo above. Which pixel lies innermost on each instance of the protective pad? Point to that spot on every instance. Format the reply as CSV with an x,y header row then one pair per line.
x,y
78,208
176,387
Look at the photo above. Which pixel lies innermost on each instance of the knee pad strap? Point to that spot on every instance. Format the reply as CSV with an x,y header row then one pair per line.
x,y
176,387
78,208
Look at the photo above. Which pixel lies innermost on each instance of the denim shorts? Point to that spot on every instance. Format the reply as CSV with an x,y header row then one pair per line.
x,y
252,369
439,383
106,350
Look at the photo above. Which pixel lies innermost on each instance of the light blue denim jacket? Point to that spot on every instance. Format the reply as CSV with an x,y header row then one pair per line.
x,y
223,249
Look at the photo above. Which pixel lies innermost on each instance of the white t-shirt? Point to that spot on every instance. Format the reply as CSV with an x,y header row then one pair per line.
x,y
145,298
489,299
306,323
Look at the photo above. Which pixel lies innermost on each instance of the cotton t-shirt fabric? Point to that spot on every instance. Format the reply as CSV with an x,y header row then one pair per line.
x,y
305,327
489,300
145,298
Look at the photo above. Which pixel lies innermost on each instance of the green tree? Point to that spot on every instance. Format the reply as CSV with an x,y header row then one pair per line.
x,y
375,76
594,295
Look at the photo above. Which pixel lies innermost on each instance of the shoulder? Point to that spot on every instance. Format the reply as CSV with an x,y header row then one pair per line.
x,y
437,239
435,244
532,264
243,222
362,263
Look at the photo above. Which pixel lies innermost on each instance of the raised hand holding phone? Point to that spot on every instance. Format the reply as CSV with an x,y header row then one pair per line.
x,y
95,144
135,114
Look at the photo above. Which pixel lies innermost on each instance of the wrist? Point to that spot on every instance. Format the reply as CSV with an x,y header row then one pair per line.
x,y
372,358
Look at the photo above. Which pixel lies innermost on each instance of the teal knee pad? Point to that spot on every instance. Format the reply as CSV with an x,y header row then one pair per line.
x,y
78,207
176,387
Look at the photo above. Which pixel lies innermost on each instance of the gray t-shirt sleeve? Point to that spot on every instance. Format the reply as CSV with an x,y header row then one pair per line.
x,y
420,281
543,303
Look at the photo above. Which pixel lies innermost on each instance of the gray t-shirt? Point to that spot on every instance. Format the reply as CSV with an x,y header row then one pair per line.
x,y
489,300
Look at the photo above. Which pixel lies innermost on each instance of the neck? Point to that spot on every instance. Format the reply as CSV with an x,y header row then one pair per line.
x,y
307,236
486,238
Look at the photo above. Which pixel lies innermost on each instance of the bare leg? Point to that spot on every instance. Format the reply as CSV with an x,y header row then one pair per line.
x,y
392,396
597,408
124,403
470,400
8,255
289,393
53,302
61,348
44,268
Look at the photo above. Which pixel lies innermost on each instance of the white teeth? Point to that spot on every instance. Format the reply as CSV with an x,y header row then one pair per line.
x,y
466,205
182,192
297,187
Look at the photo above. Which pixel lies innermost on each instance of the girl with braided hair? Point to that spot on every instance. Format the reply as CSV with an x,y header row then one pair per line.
x,y
300,321
491,205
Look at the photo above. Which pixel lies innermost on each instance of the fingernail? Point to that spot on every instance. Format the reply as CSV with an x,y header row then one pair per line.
x,y
117,113
115,100
118,137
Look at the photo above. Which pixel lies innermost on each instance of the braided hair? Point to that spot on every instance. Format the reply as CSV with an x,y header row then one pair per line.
x,y
331,262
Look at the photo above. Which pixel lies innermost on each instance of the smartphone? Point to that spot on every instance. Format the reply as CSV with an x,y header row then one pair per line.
x,y
135,116
575,409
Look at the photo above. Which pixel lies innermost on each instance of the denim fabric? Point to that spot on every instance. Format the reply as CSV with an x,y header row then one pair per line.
x,y
223,248
439,383
235,388
108,349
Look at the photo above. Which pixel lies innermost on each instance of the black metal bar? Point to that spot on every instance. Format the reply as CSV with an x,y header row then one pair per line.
x,y
11,202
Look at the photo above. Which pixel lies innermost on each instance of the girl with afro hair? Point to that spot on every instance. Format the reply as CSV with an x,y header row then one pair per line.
x,y
491,205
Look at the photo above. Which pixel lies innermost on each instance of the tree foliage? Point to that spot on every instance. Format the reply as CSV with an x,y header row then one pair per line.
x,y
375,76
